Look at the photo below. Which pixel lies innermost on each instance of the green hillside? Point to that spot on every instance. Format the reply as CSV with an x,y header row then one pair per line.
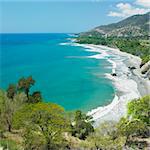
x,y
130,35
137,25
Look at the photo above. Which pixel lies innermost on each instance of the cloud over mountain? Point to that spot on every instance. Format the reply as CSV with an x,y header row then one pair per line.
x,y
127,9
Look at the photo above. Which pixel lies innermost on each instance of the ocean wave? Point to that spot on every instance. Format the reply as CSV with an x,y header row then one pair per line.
x,y
72,35
70,44
98,56
104,54
122,83
63,43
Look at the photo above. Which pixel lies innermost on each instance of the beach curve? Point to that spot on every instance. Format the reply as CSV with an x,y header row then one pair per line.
x,y
127,87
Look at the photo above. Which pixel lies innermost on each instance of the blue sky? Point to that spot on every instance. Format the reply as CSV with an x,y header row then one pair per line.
x,y
64,16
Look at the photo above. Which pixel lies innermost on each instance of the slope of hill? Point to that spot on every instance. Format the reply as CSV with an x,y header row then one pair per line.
x,y
129,35
137,25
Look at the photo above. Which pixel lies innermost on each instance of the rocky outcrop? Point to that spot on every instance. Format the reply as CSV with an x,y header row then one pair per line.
x,y
145,69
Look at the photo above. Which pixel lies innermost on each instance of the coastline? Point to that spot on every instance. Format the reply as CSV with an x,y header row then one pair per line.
x,y
129,84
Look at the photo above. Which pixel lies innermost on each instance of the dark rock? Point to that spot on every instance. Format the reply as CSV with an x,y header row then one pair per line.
x,y
141,65
114,74
132,67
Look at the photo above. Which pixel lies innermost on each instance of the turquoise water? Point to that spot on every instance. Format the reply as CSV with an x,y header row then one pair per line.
x,y
63,73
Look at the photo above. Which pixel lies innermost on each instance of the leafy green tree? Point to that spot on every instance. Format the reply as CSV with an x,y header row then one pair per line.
x,y
24,84
32,140
140,109
82,125
105,137
136,124
8,108
79,116
132,128
45,120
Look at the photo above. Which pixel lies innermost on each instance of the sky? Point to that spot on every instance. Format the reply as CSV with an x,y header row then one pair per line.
x,y
65,16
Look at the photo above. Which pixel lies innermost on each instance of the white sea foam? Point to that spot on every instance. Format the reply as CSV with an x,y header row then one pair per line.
x,y
72,35
63,44
104,54
123,84
98,56
126,88
117,108
70,43
113,65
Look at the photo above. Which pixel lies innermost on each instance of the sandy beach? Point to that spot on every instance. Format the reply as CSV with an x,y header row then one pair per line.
x,y
129,84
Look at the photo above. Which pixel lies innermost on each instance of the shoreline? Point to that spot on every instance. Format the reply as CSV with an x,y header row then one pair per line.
x,y
129,84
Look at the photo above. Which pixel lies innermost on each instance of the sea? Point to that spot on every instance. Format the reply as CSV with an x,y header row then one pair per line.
x,y
65,72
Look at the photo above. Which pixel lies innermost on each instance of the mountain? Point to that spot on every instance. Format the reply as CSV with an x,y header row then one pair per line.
x,y
130,35
137,25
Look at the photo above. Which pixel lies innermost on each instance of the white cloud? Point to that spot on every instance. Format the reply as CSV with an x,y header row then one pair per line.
x,y
114,14
144,3
126,9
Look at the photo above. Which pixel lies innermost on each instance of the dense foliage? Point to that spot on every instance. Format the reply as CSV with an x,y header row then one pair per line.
x,y
45,121
82,125
28,123
134,46
130,132
136,125
140,109
105,137
37,125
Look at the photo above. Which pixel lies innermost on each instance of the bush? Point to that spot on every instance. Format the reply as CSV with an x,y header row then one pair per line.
x,y
9,144
82,125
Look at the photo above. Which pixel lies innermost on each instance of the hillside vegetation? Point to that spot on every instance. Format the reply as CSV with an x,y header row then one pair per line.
x,y
129,35
27,123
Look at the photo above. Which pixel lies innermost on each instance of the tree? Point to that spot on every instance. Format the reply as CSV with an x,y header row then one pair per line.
x,y
82,125
8,108
9,144
35,97
78,116
45,120
32,140
105,137
24,84
11,91
131,128
136,124
140,109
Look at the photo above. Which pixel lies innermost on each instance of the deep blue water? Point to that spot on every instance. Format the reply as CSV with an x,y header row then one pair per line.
x,y
63,73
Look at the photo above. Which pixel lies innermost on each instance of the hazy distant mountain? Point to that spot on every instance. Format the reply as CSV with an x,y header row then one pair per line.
x,y
137,25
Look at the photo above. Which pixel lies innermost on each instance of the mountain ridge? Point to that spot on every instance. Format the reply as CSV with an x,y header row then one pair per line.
x,y
130,35
137,25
